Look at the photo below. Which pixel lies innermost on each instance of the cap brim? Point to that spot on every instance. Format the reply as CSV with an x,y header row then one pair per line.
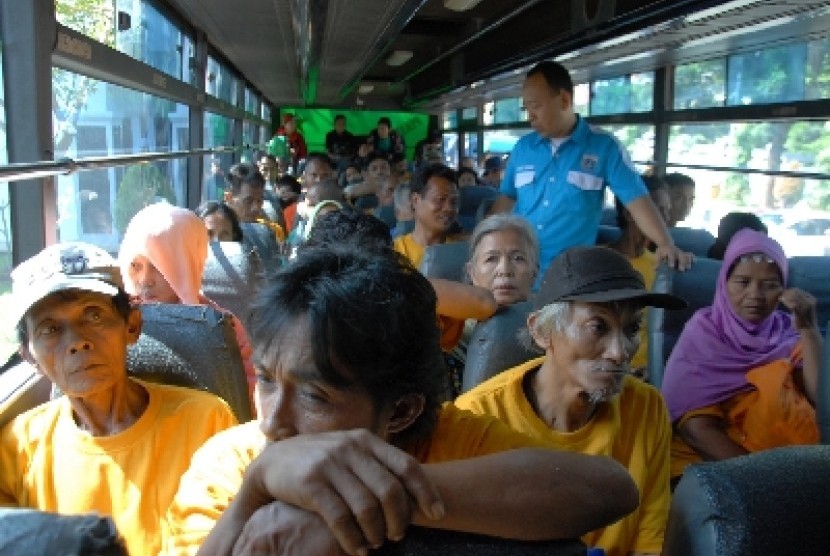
x,y
24,302
649,299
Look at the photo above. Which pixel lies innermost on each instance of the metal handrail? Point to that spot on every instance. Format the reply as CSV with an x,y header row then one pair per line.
x,y
66,166
734,170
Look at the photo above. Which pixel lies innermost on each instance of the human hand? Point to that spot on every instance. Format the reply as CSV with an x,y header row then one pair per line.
x,y
802,305
362,487
286,530
674,257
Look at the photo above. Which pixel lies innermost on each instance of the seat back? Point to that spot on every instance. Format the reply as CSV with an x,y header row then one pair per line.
x,y
812,274
193,346
469,200
823,395
607,234
609,217
495,347
445,260
232,277
771,502
26,532
420,541
694,240
697,287
261,238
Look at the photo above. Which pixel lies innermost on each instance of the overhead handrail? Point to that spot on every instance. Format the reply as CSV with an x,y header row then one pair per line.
x,y
66,166
734,170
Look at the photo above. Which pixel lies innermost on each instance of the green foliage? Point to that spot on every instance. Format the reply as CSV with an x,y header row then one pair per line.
x,y
143,184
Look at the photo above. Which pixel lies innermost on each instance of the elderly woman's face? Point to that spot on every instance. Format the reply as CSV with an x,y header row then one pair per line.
x,y
754,287
502,264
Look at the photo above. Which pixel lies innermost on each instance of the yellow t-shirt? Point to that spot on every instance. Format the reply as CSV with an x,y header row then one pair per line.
x,y
218,468
633,428
644,264
409,248
50,464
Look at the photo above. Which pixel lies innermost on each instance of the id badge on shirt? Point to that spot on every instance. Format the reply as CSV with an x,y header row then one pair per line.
x,y
524,176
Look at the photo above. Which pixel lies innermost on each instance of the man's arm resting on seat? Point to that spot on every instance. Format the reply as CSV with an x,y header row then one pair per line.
x,y
706,435
463,301
650,222
503,203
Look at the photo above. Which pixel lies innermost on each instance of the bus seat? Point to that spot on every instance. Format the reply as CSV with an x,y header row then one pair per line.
x,y
495,347
469,200
232,276
823,394
445,260
693,240
421,541
812,274
261,238
484,209
609,217
607,234
386,214
193,346
770,502
27,532
697,287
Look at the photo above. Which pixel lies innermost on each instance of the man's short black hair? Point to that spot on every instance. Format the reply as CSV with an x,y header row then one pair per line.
x,y
676,179
291,182
349,227
319,157
375,156
244,173
372,323
339,117
555,74
121,302
419,182
385,120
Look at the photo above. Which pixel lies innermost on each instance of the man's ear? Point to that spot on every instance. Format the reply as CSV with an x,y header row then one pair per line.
x,y
133,325
405,411
566,99
543,341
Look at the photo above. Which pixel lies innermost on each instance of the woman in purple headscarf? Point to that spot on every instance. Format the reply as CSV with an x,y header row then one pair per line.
x,y
743,375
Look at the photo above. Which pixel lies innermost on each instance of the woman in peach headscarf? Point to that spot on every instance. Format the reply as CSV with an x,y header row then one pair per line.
x,y
162,260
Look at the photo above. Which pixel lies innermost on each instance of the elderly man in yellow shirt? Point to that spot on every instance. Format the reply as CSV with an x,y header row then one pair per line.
x,y
580,396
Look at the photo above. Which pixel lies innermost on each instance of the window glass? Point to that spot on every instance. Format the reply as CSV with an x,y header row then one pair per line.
x,y
638,141
621,95
793,207
449,120
489,114
220,81
509,110
700,84
249,138
93,118
818,69
582,98
251,101
471,146
765,76
502,141
266,112
8,337
153,39
93,18
218,132
450,149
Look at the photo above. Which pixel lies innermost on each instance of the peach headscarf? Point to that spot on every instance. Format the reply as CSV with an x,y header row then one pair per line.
x,y
175,240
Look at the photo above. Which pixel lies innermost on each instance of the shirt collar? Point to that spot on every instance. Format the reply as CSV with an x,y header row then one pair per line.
x,y
579,135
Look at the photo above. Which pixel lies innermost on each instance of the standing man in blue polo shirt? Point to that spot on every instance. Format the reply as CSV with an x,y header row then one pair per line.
x,y
556,175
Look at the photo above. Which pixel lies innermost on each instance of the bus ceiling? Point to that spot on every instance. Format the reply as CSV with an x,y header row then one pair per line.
x,y
402,52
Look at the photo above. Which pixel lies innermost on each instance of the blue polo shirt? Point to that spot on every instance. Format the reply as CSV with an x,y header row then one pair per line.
x,y
562,194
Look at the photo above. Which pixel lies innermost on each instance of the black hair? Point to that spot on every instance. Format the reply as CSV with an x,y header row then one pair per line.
x,y
676,179
652,183
730,225
350,227
371,157
339,117
211,207
555,74
244,173
121,302
319,157
291,182
385,120
465,171
372,323
270,157
419,182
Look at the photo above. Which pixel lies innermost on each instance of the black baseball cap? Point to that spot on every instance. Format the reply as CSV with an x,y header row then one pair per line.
x,y
598,274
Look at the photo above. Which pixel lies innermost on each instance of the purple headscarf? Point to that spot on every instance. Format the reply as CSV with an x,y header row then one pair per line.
x,y
717,347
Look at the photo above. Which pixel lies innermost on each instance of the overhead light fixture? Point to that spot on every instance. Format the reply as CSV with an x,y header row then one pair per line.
x,y
398,57
365,89
460,5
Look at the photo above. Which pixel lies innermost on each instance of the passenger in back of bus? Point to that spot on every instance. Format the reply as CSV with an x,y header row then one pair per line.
x,y
353,444
580,396
162,259
110,444
743,376
246,195
731,224
682,193
633,243
220,220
